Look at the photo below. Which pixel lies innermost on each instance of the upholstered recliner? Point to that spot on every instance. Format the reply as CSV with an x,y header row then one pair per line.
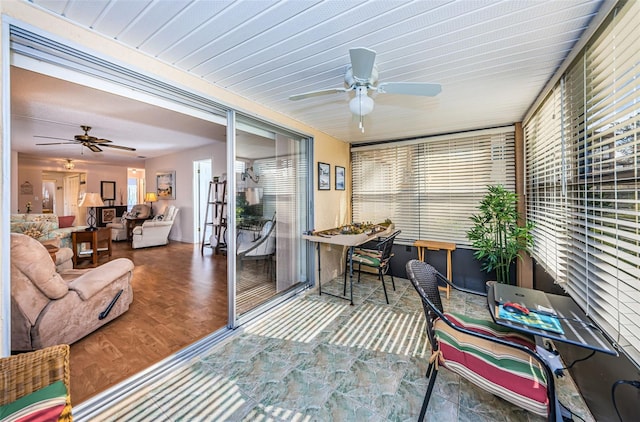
x,y
154,232
50,308
119,228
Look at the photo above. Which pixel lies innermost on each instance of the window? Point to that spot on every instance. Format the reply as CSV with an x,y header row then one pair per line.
x,y
583,179
430,187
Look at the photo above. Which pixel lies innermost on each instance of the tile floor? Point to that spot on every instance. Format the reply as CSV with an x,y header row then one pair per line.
x,y
317,358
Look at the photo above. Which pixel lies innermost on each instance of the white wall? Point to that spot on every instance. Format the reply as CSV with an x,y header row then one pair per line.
x,y
30,169
182,164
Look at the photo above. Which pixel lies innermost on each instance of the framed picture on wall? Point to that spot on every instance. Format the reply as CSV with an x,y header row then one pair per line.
x,y
108,191
339,178
324,176
108,215
166,184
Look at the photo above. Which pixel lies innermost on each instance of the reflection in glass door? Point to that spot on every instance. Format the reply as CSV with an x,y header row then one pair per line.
x,y
271,209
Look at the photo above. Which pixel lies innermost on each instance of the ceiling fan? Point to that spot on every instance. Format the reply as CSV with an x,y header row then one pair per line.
x,y
361,76
86,140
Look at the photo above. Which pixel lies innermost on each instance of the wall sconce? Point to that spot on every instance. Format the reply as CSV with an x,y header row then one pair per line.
x,y
69,165
250,174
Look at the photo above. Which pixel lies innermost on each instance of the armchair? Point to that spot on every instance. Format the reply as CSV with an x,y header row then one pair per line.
x,y
119,228
262,247
49,308
500,361
154,232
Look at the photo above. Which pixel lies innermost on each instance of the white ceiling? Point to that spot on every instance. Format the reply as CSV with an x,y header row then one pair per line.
x,y
491,57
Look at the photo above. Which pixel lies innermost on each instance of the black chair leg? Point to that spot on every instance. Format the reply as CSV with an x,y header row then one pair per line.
x,y
393,282
384,287
429,370
427,396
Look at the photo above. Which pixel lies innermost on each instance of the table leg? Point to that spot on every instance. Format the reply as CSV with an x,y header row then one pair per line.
x,y
351,273
319,274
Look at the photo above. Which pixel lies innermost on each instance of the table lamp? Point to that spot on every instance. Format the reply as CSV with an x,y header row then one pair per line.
x,y
150,197
91,200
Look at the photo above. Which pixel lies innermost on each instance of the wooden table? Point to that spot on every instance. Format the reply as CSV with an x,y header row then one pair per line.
x,y
433,245
99,241
52,251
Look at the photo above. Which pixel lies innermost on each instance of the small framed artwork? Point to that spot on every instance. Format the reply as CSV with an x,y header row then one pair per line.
x,y
166,184
108,191
324,176
108,215
339,178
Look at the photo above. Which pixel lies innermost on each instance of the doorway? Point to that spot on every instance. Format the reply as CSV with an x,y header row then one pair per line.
x,y
202,175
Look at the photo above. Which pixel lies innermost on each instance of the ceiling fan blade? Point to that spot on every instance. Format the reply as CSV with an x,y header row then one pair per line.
x,y
362,61
92,147
58,143
410,88
102,141
52,137
317,93
118,147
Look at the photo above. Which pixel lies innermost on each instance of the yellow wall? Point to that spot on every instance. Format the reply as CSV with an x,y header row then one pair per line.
x,y
331,207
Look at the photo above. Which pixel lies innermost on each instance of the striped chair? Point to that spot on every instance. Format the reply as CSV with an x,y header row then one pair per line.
x,y
490,356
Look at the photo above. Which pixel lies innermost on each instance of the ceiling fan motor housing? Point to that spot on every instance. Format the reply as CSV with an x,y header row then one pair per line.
x,y
351,81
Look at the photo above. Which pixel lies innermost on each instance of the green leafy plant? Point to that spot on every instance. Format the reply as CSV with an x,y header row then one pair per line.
x,y
496,234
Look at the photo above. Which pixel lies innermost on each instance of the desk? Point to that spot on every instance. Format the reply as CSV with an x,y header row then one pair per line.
x,y
349,240
578,331
434,245
99,244
577,326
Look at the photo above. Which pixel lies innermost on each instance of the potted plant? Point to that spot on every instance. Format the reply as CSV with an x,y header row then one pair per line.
x,y
496,234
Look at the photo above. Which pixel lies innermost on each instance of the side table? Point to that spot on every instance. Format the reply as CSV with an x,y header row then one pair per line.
x,y
52,251
99,244
434,245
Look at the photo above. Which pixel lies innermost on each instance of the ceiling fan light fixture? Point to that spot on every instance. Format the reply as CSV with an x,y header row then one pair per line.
x,y
361,104
69,165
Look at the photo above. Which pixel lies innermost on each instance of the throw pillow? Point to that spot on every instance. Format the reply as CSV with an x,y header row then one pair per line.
x,y
66,221
42,405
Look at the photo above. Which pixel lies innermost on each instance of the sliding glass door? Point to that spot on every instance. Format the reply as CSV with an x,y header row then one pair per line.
x,y
271,199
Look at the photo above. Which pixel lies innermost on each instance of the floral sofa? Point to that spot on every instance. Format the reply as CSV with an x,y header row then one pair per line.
x,y
43,227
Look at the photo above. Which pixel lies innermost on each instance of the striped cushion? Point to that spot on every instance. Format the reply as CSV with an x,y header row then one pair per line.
x,y
492,329
42,405
501,370
371,261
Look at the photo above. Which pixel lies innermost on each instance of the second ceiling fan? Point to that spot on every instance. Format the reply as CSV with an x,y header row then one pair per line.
x,y
91,142
362,76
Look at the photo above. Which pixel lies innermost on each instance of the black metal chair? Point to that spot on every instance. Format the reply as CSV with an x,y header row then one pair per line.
x,y
377,258
494,358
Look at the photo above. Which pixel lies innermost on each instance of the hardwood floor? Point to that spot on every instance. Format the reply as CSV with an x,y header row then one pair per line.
x,y
179,296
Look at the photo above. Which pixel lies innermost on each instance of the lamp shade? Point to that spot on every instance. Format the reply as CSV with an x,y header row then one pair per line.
x,y
91,199
150,197
361,104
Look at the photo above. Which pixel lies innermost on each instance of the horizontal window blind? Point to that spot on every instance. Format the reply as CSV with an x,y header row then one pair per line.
x,y
596,252
430,188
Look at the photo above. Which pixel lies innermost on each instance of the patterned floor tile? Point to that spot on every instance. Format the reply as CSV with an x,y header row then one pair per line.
x,y
317,358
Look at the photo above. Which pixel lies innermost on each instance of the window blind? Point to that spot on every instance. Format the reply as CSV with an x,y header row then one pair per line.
x,y
596,253
429,188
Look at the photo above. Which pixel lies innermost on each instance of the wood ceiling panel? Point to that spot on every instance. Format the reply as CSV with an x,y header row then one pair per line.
x,y
492,57
152,19
113,20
